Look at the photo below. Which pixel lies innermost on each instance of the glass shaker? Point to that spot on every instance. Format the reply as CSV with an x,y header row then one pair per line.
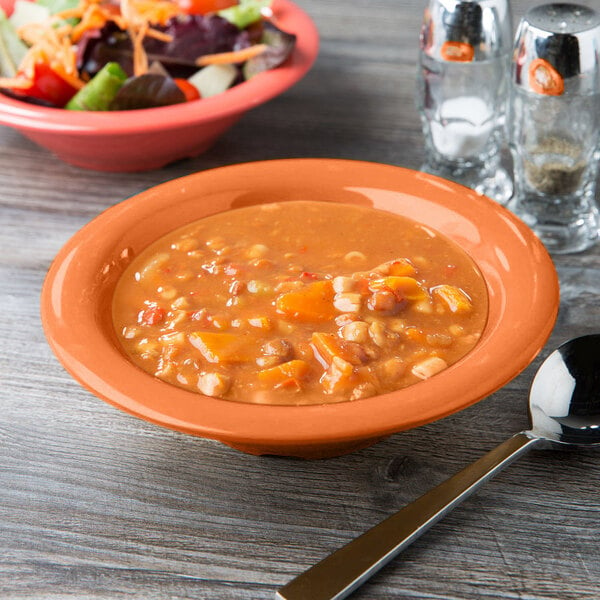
x,y
555,124
462,92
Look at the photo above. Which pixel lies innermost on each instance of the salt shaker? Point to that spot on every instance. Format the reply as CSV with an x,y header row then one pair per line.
x,y
462,92
555,124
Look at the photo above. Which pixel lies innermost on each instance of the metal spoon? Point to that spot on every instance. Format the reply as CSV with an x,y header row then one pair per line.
x,y
564,408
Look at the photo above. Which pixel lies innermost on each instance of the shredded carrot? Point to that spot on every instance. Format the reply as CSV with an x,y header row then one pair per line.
x,y
158,12
238,56
15,83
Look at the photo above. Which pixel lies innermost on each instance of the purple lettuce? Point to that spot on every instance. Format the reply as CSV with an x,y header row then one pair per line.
x,y
192,36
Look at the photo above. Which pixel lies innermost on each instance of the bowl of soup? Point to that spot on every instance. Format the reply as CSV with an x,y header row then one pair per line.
x,y
299,307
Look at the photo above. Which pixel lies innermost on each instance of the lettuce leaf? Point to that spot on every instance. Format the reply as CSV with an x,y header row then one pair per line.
x,y
12,49
192,37
147,91
280,45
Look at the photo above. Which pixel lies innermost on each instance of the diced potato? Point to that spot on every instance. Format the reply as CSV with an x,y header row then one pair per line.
x,y
343,284
222,347
214,384
347,302
338,376
453,298
429,367
313,302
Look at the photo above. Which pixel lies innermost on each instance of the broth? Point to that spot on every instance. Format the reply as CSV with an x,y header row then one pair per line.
x,y
299,302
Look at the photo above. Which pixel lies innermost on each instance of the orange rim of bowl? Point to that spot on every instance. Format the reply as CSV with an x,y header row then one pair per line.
x,y
238,99
520,276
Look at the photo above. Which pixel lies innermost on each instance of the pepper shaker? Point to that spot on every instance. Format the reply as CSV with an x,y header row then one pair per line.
x,y
555,124
462,92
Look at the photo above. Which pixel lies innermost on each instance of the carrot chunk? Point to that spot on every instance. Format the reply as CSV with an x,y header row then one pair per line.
x,y
455,300
401,267
339,377
280,375
312,302
221,347
328,347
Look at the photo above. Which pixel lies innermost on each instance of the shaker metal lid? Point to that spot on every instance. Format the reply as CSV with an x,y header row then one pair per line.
x,y
466,30
557,50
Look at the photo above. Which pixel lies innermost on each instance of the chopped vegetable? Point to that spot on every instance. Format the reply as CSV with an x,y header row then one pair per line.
x,y
46,84
245,13
147,91
202,7
312,302
279,375
190,91
278,46
237,56
25,13
99,93
455,300
214,79
329,346
12,49
402,268
217,347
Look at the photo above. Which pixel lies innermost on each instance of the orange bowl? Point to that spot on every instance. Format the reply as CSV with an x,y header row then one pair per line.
x,y
137,140
520,277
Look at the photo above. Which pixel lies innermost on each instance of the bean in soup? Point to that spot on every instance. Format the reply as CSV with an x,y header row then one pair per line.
x,y
299,303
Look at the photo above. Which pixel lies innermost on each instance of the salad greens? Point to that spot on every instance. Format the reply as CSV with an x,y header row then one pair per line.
x,y
131,54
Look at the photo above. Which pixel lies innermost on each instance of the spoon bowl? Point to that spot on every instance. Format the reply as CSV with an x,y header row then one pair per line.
x,y
564,401
564,408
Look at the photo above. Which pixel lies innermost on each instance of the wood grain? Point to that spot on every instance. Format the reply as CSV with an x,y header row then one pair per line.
x,y
95,504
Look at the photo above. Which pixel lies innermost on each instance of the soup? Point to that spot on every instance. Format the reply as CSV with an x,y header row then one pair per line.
x,y
299,302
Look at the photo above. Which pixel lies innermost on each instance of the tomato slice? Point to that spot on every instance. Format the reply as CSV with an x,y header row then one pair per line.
x,y
49,86
545,79
202,7
190,91
457,52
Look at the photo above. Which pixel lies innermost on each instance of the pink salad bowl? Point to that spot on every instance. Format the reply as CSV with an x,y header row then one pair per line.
x,y
139,140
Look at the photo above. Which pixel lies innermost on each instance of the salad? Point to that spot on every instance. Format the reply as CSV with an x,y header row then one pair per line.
x,y
131,54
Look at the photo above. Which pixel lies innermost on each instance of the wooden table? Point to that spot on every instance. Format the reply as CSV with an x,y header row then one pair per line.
x,y
95,504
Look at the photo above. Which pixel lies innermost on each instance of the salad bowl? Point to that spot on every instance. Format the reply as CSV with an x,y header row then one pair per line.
x,y
149,138
78,293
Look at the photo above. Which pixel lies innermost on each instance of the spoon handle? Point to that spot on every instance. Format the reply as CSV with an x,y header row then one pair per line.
x,y
342,572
